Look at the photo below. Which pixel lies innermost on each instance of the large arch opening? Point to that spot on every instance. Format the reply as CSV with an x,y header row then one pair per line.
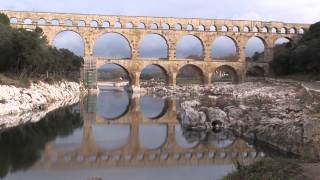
x,y
111,137
189,47
112,46
224,48
190,74
153,75
182,141
225,74
154,46
112,75
112,104
255,49
153,107
152,136
69,40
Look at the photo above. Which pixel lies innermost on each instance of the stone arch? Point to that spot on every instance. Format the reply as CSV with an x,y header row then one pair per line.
x,y
70,40
246,29
201,28
189,27
94,23
154,46
129,25
224,47
178,26
225,73
68,22
224,28
255,29
81,23
165,26
293,30
154,26
153,107
190,74
274,30
283,30
27,21
41,21
301,31
119,48
13,20
235,29
213,28
142,25
189,47
153,136
255,48
117,24
55,22
125,75
106,24
283,40
265,29
154,72
256,71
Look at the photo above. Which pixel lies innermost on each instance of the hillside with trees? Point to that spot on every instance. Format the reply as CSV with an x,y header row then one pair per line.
x,y
302,58
26,55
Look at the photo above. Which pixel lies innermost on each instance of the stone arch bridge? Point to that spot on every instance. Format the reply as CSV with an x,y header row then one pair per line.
x,y
135,28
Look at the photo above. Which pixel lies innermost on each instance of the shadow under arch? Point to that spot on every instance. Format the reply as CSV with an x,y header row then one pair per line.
x,y
153,107
144,48
225,73
64,36
147,71
153,136
125,47
190,74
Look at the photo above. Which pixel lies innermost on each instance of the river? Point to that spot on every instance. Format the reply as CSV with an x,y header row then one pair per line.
x,y
115,135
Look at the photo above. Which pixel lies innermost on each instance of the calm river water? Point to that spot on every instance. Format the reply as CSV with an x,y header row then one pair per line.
x,y
116,136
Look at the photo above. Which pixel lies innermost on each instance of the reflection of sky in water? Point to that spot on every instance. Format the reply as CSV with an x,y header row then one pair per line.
x,y
152,136
111,137
112,104
152,107
70,142
181,140
222,139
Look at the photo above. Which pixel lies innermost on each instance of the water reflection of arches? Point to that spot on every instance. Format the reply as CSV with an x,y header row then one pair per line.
x,y
152,136
113,104
153,107
182,141
111,137
222,139
70,142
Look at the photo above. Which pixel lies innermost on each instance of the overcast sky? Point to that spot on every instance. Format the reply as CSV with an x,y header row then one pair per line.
x,y
301,11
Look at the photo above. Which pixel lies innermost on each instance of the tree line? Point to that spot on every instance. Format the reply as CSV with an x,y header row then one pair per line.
x,y
300,58
26,53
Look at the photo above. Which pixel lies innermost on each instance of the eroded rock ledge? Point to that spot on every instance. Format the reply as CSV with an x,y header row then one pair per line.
x,y
283,114
21,105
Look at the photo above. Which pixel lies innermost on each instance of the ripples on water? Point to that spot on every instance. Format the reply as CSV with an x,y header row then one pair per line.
x,y
117,136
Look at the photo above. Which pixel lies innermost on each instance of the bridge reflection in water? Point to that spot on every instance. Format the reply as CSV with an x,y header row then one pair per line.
x,y
120,131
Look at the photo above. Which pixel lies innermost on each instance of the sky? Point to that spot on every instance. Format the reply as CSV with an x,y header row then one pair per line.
x,y
293,11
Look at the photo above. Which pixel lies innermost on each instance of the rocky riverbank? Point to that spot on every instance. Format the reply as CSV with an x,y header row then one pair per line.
x,y
283,114
21,105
